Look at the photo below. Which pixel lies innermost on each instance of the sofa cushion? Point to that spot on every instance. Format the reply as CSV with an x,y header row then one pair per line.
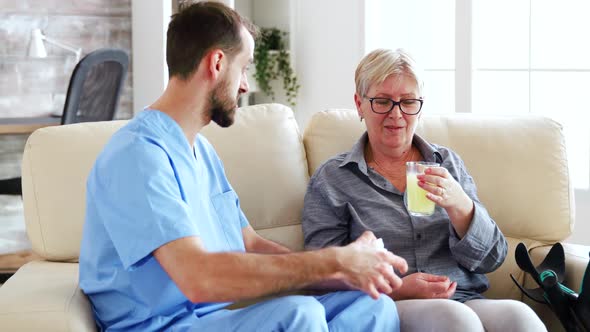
x,y
44,296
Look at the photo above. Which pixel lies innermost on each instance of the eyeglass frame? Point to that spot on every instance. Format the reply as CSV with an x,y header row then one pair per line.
x,y
395,103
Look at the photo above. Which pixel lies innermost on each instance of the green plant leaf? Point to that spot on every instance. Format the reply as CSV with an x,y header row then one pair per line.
x,y
272,61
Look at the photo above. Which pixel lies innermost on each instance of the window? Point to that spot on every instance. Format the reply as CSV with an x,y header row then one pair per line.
x,y
404,24
498,57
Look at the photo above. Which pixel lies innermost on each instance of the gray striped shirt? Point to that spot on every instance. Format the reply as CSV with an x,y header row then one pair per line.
x,y
345,198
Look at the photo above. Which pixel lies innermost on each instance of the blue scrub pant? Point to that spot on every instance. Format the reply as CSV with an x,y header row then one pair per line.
x,y
338,311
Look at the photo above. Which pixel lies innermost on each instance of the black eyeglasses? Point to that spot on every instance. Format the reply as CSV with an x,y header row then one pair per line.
x,y
382,105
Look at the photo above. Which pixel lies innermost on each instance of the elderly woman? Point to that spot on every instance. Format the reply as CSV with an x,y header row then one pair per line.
x,y
447,252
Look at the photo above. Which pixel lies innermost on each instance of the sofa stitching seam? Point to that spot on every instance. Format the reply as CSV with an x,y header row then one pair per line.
x,y
38,215
276,226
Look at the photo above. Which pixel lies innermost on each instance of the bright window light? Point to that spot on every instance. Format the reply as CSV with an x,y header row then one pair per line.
x,y
527,57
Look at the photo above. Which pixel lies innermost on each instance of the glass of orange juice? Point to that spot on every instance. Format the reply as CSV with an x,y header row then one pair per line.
x,y
416,201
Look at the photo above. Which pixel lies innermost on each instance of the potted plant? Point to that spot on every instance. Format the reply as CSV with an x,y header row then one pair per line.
x,y
272,61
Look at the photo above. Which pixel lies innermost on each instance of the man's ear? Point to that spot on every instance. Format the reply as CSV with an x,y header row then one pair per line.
x,y
215,63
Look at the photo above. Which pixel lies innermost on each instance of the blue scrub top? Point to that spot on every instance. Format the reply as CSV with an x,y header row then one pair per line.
x,y
147,188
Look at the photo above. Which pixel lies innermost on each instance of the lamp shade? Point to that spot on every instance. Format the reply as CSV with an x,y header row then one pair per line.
x,y
36,46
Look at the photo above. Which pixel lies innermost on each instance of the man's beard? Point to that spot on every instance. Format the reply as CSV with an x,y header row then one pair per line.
x,y
223,106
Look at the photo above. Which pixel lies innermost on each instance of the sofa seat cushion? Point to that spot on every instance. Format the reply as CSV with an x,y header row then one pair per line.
x,y
44,296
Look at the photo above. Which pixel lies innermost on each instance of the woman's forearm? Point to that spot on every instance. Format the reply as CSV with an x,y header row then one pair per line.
x,y
461,216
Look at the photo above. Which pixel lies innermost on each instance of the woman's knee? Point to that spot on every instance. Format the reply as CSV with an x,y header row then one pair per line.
x,y
516,315
459,316
437,315
520,316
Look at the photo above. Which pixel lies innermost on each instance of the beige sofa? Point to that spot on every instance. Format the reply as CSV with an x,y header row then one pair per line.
x,y
519,165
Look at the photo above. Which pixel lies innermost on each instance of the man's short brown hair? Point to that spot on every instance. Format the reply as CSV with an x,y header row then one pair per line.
x,y
199,28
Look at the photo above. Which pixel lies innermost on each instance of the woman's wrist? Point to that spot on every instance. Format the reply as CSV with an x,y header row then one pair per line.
x,y
462,215
397,295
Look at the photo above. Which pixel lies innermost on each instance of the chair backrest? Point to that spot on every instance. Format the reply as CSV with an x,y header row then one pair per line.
x,y
95,86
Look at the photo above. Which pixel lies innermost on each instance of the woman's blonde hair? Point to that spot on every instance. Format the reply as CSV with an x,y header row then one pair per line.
x,y
376,66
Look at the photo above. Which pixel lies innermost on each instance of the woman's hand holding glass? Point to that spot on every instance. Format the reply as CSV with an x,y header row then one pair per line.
x,y
446,192
443,189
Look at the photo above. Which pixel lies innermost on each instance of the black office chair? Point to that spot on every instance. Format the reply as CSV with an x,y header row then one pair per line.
x,y
93,94
95,86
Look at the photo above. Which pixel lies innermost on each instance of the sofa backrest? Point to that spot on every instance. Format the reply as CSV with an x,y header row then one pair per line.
x,y
262,152
265,162
519,164
56,162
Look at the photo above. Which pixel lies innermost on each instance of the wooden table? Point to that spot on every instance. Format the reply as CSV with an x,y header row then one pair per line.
x,y
26,125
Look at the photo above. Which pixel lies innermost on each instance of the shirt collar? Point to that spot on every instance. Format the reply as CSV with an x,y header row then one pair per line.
x,y
357,154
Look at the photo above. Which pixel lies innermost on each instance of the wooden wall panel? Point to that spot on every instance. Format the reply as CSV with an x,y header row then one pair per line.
x,y
37,87
25,82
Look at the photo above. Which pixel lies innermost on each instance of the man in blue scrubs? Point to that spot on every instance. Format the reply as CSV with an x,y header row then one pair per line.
x,y
165,243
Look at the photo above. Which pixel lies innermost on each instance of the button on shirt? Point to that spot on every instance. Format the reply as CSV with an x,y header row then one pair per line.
x,y
345,198
149,187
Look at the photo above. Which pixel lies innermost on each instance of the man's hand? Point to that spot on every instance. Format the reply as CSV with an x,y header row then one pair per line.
x,y
424,286
367,268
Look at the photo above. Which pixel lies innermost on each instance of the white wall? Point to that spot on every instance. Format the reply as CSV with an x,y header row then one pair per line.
x,y
329,40
149,21
244,7
272,13
581,233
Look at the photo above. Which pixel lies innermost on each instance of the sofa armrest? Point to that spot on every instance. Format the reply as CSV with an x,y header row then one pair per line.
x,y
44,296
